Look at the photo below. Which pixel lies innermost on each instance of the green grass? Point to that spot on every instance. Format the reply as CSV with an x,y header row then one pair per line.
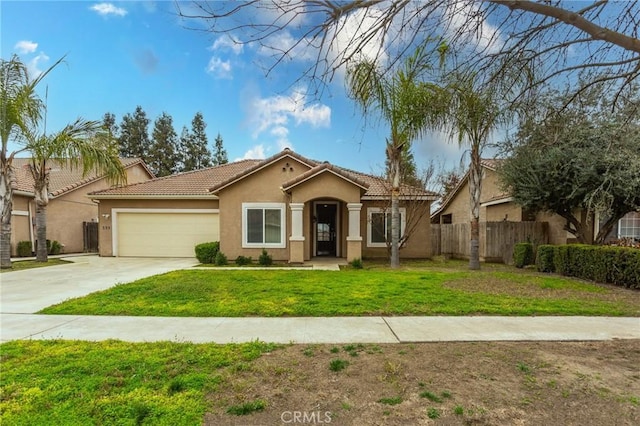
x,y
112,382
247,408
30,264
499,291
391,401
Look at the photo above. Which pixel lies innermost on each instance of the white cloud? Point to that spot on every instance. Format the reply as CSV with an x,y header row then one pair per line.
x,y
25,46
254,153
283,43
226,43
106,9
275,113
33,66
274,116
219,68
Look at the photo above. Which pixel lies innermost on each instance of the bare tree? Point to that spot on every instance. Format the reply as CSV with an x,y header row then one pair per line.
x,y
595,40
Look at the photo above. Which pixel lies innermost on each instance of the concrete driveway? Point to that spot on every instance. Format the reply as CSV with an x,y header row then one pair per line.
x,y
28,291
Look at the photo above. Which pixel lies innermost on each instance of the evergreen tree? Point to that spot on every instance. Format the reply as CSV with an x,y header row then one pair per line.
x,y
163,155
220,154
134,135
109,124
195,145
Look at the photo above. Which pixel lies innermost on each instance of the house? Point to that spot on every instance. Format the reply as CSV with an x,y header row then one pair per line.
x,y
496,205
68,206
294,207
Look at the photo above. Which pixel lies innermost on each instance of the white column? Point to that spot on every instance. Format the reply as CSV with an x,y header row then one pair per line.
x,y
296,221
354,221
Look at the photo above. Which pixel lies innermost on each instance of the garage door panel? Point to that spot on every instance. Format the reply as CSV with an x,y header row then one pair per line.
x,y
165,234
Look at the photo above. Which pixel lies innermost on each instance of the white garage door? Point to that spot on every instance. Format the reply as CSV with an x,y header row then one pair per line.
x,y
164,234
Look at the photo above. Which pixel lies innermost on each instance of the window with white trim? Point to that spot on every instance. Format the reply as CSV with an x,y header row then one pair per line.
x,y
379,226
629,226
263,225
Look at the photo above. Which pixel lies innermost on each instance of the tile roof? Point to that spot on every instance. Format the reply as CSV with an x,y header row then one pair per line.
x,y
206,182
62,178
194,183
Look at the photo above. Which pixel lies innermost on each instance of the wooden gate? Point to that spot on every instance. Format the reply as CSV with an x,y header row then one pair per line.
x,y
90,236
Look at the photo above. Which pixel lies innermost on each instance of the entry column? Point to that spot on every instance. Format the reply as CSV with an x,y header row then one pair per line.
x,y
354,240
296,240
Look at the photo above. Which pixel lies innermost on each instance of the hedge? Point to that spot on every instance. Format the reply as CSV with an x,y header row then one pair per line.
x,y
615,265
206,252
24,249
523,255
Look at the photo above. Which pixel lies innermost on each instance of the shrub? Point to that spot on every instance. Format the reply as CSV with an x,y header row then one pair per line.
x,y
24,249
55,248
523,255
614,265
220,259
544,258
356,263
206,252
243,260
265,258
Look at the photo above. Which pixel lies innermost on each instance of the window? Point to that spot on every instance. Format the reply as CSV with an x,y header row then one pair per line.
x,y
379,226
263,225
629,226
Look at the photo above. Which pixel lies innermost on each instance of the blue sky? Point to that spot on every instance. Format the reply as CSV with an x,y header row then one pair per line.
x,y
124,54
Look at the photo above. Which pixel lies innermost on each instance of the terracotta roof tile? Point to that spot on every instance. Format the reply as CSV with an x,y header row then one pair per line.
x,y
194,183
207,182
62,178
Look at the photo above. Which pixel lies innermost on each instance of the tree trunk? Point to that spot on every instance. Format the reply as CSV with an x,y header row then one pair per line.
x,y
6,205
395,207
474,192
42,199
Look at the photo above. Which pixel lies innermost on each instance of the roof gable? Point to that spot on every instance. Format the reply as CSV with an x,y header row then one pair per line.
x,y
261,165
487,163
322,169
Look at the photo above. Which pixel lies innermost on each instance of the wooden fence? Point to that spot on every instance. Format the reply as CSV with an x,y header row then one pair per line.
x,y
496,239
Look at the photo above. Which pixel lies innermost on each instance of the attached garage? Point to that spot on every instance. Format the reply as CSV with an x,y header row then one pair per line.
x,y
162,232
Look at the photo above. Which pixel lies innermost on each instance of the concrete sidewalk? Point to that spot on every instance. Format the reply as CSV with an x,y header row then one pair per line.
x,y
317,330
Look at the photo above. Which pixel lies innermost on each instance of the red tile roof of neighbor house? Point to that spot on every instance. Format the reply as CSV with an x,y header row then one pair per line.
x,y
62,177
207,182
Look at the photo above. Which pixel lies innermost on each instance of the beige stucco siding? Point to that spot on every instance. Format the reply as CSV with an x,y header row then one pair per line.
x,y
419,243
20,221
505,211
263,186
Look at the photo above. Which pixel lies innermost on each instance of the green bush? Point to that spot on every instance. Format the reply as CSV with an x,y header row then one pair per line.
x,y
265,258
523,255
24,249
220,259
243,260
356,263
614,265
55,247
206,252
544,258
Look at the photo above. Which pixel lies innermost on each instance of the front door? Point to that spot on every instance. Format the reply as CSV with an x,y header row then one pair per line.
x,y
326,220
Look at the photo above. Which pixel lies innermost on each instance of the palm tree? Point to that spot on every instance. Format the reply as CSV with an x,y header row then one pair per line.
x,y
476,110
85,144
20,109
408,104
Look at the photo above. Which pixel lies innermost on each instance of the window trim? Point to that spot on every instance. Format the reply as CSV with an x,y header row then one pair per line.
x,y
372,210
264,206
630,223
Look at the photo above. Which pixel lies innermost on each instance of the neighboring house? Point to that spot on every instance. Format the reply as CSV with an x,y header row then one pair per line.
x,y
68,206
496,206
294,207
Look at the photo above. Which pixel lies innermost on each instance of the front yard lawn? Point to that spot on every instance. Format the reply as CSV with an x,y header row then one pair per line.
x,y
211,293
30,264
